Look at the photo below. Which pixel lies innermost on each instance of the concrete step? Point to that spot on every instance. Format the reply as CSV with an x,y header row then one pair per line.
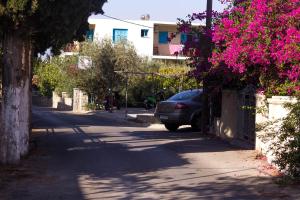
x,y
146,118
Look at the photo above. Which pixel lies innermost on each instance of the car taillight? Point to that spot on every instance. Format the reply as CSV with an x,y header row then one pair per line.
x,y
181,106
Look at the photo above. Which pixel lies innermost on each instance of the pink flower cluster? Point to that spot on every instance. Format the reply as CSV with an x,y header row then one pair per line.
x,y
253,39
262,36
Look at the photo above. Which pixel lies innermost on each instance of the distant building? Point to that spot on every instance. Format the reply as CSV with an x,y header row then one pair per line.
x,y
150,38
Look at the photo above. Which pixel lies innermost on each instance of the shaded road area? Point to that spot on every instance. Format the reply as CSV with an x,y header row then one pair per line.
x,y
92,156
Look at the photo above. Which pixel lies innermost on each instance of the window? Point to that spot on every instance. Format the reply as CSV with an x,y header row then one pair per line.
x,y
144,32
183,38
90,35
163,37
119,34
190,94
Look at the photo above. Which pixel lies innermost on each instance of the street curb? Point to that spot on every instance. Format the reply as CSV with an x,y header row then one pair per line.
x,y
147,118
128,119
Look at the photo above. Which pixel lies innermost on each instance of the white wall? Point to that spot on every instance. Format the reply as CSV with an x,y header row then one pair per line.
x,y
80,100
276,106
144,45
228,125
273,111
55,99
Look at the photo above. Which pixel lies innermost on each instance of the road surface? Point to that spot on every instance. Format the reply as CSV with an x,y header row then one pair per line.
x,y
97,156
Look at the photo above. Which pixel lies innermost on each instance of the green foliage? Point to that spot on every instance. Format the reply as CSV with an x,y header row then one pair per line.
x,y
286,88
94,106
176,78
160,76
48,78
287,148
62,74
285,142
57,74
48,23
108,62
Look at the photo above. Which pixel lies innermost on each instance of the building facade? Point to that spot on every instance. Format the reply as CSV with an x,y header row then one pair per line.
x,y
150,38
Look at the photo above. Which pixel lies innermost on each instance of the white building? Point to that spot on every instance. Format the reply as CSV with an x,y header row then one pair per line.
x,y
150,38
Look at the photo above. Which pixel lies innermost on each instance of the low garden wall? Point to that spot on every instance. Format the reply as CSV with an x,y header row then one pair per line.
x,y
80,100
249,124
63,102
42,101
77,103
269,115
236,123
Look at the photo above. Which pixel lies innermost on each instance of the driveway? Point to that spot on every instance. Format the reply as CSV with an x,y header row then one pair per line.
x,y
94,156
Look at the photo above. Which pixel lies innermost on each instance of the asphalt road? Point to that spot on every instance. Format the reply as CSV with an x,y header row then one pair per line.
x,y
97,156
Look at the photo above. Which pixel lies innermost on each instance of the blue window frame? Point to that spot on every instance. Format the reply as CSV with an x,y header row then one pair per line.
x,y
163,37
119,34
144,32
183,38
90,35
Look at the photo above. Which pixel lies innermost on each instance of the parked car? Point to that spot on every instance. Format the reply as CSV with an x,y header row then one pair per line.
x,y
183,108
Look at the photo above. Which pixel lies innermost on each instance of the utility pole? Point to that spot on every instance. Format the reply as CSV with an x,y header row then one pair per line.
x,y
205,115
126,96
208,14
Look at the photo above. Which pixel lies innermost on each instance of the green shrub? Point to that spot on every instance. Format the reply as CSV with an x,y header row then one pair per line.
x,y
286,145
168,77
94,106
57,74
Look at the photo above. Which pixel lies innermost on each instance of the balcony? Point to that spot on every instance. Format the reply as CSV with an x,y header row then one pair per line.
x,y
168,51
163,48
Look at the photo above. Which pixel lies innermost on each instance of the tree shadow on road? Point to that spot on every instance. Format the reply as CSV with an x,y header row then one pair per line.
x,y
64,119
182,141
78,168
153,187
142,164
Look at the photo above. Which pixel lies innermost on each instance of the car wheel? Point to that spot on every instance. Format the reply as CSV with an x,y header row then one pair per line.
x,y
196,122
171,127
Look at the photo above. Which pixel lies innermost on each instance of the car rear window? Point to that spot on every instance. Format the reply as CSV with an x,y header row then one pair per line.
x,y
185,95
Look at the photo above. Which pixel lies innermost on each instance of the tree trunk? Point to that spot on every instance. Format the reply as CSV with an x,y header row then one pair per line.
x,y
16,108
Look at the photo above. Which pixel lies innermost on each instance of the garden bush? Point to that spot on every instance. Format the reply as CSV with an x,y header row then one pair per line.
x,y
286,145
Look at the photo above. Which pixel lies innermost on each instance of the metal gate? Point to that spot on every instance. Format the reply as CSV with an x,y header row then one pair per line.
x,y
247,114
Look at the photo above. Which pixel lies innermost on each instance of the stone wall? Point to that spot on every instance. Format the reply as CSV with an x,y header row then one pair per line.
x,y
80,100
68,101
63,102
269,117
234,123
56,99
77,103
42,101
262,111
276,106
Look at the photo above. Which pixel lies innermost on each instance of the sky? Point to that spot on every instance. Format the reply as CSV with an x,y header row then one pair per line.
x,y
160,10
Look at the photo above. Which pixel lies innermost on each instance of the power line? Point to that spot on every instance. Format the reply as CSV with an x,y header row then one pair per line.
x,y
126,21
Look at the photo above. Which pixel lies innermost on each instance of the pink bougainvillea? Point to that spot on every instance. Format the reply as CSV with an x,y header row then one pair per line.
x,y
262,36
255,39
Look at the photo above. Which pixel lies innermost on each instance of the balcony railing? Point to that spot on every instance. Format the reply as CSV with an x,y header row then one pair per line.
x,y
168,50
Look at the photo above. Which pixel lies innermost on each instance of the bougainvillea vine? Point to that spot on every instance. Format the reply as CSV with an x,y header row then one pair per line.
x,y
255,40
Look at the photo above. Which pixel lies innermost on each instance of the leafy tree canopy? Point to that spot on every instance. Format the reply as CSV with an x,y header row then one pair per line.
x,y
47,22
58,74
107,58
